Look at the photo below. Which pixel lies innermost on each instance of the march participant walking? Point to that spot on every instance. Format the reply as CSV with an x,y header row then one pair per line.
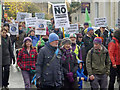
x,y
114,52
69,64
75,48
26,60
7,57
98,65
88,42
49,71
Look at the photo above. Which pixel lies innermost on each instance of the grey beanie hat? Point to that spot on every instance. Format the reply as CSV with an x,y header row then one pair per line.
x,y
66,41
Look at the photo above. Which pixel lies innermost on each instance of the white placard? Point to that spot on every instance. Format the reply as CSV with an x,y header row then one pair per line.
x,y
60,15
100,22
72,29
40,27
14,29
31,22
22,15
40,15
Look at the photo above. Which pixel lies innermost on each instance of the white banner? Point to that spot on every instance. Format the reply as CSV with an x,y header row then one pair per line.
x,y
72,29
60,15
40,27
22,15
31,22
40,15
101,22
14,29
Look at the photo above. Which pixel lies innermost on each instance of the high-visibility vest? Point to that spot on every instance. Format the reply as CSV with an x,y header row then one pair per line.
x,y
76,51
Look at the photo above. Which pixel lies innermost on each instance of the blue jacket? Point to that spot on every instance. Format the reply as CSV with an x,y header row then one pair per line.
x,y
81,74
34,40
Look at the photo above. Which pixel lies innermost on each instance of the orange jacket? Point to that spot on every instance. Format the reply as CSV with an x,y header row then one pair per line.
x,y
114,51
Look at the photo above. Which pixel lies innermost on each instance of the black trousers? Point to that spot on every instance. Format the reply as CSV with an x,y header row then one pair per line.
x,y
118,73
5,75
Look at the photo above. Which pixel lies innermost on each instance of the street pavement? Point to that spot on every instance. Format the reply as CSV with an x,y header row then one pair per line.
x,y
16,80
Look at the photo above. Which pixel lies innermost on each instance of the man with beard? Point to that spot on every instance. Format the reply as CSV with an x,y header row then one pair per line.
x,y
88,42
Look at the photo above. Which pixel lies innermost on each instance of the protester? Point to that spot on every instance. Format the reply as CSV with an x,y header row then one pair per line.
x,y
51,26
102,33
49,73
86,25
69,64
75,48
33,37
88,42
114,50
98,65
19,38
26,60
80,42
109,37
42,41
7,58
58,32
80,75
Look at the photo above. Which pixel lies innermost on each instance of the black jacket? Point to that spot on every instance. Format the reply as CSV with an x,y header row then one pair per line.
x,y
49,74
7,51
88,42
105,35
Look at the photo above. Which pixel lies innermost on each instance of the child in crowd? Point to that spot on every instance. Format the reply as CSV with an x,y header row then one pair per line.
x,y
80,75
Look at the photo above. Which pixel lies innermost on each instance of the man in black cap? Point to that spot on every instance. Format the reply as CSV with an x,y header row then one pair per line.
x,y
86,25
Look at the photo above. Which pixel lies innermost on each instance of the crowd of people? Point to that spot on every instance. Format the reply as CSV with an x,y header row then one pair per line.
x,y
62,62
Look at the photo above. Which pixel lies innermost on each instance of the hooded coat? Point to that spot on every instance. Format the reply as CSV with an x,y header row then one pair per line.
x,y
81,74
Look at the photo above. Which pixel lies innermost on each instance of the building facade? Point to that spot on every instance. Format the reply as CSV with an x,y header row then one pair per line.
x,y
109,9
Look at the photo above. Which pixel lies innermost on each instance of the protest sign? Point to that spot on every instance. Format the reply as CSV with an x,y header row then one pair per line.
x,y
60,15
40,15
14,29
72,29
31,22
22,15
100,22
40,27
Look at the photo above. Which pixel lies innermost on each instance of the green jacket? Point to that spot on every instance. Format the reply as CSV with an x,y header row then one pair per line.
x,y
99,63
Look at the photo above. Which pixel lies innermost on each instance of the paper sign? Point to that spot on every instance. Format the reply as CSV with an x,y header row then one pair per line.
x,y
100,22
14,29
60,15
41,27
31,22
72,29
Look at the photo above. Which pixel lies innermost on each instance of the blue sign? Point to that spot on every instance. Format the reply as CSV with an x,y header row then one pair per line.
x,y
13,29
41,26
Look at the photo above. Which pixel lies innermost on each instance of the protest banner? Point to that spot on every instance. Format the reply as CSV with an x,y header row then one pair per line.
x,y
72,29
22,15
100,22
40,15
14,29
40,27
31,22
60,15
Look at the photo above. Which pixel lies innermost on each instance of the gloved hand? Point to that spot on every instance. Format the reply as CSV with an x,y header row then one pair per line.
x,y
13,60
38,83
70,77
